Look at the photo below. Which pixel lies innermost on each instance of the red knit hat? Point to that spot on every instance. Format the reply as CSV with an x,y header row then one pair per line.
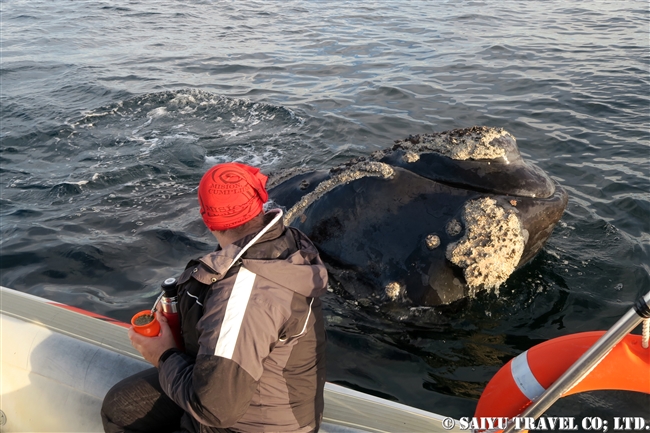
x,y
231,194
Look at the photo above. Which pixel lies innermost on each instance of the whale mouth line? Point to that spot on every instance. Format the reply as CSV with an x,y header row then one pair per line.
x,y
478,189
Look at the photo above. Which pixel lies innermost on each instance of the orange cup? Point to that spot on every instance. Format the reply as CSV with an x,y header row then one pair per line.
x,y
150,329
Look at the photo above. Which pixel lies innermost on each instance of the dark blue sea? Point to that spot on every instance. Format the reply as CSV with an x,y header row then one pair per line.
x,y
112,110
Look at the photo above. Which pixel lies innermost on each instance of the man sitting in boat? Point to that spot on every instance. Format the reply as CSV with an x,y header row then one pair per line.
x,y
252,327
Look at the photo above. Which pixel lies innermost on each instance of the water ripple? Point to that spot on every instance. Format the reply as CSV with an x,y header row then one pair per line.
x,y
111,113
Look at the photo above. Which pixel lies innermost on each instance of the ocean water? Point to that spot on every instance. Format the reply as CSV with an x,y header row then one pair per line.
x,y
112,110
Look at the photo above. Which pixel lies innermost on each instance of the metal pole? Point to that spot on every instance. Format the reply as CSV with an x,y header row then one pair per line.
x,y
588,361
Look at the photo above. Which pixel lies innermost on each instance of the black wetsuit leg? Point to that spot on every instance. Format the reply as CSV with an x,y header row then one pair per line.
x,y
138,404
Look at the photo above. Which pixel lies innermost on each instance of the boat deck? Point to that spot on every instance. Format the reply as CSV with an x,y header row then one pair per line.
x,y
58,363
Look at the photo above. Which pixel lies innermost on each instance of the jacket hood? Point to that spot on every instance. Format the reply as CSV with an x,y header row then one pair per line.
x,y
283,255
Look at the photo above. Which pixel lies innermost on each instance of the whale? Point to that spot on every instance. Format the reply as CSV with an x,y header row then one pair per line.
x,y
434,219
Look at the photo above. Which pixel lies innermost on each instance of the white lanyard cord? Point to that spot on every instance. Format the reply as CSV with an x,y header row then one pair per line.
x,y
257,237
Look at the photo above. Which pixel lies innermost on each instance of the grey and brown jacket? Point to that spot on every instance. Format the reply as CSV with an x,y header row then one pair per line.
x,y
254,336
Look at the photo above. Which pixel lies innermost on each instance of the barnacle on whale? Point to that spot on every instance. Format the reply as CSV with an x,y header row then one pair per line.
x,y
491,247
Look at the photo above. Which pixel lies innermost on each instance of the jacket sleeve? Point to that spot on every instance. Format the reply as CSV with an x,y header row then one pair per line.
x,y
217,387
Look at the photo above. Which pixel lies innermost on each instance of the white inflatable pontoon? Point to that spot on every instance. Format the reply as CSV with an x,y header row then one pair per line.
x,y
58,362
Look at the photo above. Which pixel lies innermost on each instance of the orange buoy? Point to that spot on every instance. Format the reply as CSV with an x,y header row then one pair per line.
x,y
524,378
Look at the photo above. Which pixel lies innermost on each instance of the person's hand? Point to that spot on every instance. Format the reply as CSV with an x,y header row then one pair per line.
x,y
152,347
